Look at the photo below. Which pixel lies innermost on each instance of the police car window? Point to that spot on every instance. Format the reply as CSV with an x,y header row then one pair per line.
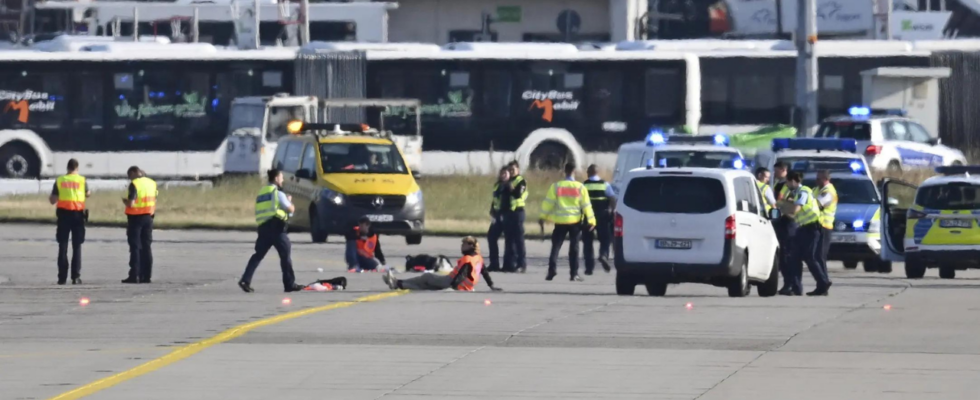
x,y
675,194
704,159
845,130
851,191
953,196
361,158
812,164
917,133
896,130
294,152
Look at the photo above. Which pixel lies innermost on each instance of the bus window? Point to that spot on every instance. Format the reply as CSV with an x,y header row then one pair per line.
x,y
144,109
663,88
34,100
392,84
497,94
193,107
605,96
88,101
755,98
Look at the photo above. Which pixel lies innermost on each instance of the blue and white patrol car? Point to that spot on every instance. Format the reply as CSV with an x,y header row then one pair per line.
x,y
661,150
811,155
934,225
889,140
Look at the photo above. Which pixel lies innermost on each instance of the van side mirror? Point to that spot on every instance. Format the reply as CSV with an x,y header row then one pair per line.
x,y
304,174
892,201
774,214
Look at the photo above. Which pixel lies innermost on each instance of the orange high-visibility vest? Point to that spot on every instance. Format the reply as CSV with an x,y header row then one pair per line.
x,y
469,282
365,246
71,192
146,197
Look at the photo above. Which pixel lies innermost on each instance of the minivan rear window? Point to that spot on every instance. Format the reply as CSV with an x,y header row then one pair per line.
x,y
953,196
675,195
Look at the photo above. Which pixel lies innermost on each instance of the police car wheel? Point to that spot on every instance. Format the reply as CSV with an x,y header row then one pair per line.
x,y
625,284
947,272
850,264
894,167
870,265
884,267
739,285
914,270
656,288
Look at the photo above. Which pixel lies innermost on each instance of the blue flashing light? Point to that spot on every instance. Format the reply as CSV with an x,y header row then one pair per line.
x,y
738,163
122,97
656,138
858,111
856,166
721,140
849,145
858,224
650,163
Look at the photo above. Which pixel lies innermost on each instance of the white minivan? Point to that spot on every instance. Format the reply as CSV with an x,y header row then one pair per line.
x,y
703,225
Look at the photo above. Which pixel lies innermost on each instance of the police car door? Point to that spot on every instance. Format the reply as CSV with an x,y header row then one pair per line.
x,y
912,145
896,199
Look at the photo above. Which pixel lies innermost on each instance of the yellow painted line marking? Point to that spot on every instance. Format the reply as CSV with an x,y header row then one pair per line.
x,y
186,351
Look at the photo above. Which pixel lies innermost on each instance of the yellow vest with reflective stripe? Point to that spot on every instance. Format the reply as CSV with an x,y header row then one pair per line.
x,y
762,189
146,197
71,192
783,192
267,205
566,203
518,202
810,212
495,205
828,212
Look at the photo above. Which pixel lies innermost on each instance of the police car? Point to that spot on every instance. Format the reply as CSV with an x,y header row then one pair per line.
x,y
890,140
934,225
660,150
816,154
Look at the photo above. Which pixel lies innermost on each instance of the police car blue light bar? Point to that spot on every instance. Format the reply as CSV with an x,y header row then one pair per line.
x,y
856,166
656,138
859,111
849,145
718,139
738,163
959,170
862,111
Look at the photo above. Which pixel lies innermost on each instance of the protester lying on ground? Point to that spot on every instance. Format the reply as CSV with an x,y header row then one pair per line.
x,y
363,248
327,285
465,276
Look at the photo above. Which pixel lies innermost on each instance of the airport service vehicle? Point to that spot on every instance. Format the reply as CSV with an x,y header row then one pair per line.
x,y
338,173
934,225
257,124
704,225
889,140
671,151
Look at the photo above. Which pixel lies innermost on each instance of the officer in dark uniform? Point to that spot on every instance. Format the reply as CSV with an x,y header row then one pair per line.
x,y
785,228
602,195
69,194
272,209
500,202
515,255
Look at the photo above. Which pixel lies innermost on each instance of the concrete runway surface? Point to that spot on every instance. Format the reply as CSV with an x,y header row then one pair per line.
x,y
537,340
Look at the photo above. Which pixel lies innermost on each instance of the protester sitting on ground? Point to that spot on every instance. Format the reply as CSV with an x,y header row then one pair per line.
x,y
363,248
465,276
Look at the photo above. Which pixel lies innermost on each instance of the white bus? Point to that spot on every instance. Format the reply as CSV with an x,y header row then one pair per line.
x,y
163,107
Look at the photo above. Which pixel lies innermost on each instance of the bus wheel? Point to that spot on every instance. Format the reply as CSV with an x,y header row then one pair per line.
x,y
549,156
19,161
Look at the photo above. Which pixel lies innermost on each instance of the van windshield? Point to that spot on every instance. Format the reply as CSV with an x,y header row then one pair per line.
x,y
953,196
698,159
246,116
361,158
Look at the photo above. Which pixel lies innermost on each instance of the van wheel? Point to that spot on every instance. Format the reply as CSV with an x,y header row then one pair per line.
x,y
413,239
549,156
19,161
317,233
914,269
656,288
770,287
947,272
850,264
884,267
625,285
739,286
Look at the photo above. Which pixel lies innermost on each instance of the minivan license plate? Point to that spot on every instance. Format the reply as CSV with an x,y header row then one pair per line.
x,y
381,218
956,223
673,244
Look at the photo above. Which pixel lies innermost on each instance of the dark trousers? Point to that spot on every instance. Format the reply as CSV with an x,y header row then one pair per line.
x,y
70,223
806,251
515,254
574,232
357,261
272,234
602,231
823,251
786,234
493,237
139,232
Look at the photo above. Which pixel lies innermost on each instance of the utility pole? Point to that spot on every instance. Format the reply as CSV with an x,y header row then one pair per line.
x,y
806,67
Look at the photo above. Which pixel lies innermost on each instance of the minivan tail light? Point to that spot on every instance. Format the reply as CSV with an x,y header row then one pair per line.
x,y
730,227
618,226
872,150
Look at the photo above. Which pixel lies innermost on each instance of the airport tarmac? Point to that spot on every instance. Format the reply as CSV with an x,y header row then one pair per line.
x,y
193,334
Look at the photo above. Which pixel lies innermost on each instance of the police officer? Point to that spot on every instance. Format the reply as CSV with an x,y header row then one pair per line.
x,y
785,228
515,255
500,199
827,200
762,181
272,209
601,195
68,195
567,205
140,210
805,210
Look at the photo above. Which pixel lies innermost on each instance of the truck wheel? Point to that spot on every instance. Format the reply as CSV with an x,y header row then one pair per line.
x,y
770,287
413,239
625,284
947,272
656,288
851,264
739,286
914,269
317,233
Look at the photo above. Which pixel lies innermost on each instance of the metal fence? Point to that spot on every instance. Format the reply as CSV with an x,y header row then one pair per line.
x,y
959,100
330,76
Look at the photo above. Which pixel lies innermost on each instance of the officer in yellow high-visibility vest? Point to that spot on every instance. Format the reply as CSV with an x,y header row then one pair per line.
x,y
69,194
500,198
805,210
141,205
567,205
272,210
515,253
762,182
785,228
827,201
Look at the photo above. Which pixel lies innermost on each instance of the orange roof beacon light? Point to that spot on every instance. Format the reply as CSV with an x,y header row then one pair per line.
x,y
294,127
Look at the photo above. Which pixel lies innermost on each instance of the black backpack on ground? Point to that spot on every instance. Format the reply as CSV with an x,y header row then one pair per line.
x,y
425,262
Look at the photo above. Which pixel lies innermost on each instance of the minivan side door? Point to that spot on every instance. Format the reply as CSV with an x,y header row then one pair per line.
x,y
748,220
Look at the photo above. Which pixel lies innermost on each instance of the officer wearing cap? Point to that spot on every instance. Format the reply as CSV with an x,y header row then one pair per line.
x,y
68,195
602,196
